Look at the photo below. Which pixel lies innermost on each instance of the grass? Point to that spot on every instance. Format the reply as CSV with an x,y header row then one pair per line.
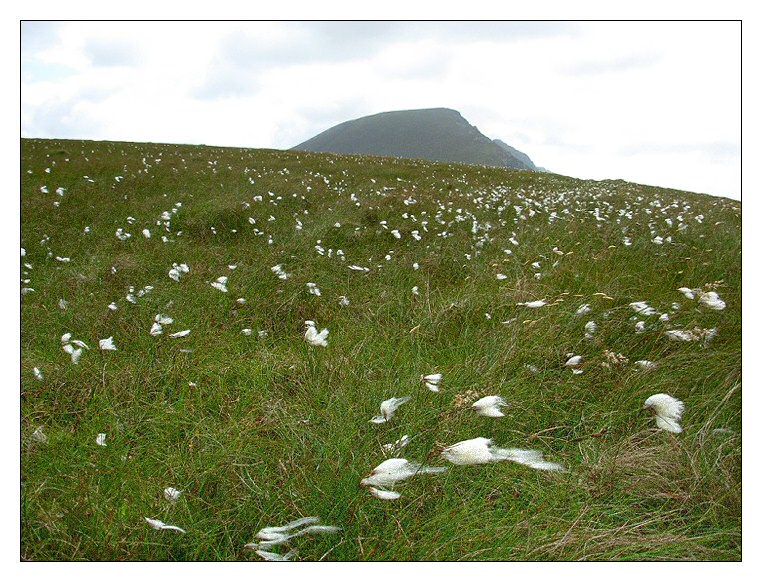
x,y
258,431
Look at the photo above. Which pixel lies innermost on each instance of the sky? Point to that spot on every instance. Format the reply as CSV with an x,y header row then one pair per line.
x,y
655,103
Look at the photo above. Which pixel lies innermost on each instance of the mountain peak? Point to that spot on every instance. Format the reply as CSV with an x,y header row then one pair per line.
x,y
437,134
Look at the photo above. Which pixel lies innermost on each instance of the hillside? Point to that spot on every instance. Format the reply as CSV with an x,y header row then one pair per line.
x,y
429,134
169,376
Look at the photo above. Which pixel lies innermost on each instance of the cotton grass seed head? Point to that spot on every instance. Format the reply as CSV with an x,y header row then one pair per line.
x,y
431,381
667,411
388,408
489,406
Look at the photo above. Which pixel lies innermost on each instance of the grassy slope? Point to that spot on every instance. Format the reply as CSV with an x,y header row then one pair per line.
x,y
259,431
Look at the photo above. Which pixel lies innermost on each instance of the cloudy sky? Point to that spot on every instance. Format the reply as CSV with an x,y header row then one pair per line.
x,y
650,102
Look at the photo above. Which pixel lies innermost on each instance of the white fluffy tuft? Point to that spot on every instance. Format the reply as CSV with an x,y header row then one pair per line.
x,y
667,411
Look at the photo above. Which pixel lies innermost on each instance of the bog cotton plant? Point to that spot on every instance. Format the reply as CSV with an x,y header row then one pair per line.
x,y
688,293
388,408
397,445
480,450
220,284
642,308
68,345
313,337
583,309
171,494
646,365
160,525
573,361
392,471
711,300
431,381
278,270
489,406
178,271
157,328
107,344
533,304
269,537
667,411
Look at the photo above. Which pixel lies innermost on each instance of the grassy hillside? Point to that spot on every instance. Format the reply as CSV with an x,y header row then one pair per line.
x,y
258,429
441,135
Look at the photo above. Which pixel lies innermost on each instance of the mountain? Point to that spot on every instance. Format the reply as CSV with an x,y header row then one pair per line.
x,y
521,156
440,135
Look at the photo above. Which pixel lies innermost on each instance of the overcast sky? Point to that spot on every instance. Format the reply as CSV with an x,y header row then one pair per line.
x,y
649,102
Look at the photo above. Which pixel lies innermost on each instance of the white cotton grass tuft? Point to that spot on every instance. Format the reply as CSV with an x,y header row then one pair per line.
x,y
39,435
583,309
691,335
67,344
277,532
278,535
642,308
158,524
392,471
573,361
75,353
646,365
489,406
384,494
480,450
711,300
397,445
388,408
533,304
278,270
220,284
689,294
171,494
313,289
431,381
275,557
313,337
107,344
667,411
474,451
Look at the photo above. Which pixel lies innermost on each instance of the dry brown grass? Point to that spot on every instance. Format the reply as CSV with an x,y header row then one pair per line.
x,y
678,488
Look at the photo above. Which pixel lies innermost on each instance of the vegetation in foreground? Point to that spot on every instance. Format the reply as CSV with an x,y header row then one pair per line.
x,y
255,428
